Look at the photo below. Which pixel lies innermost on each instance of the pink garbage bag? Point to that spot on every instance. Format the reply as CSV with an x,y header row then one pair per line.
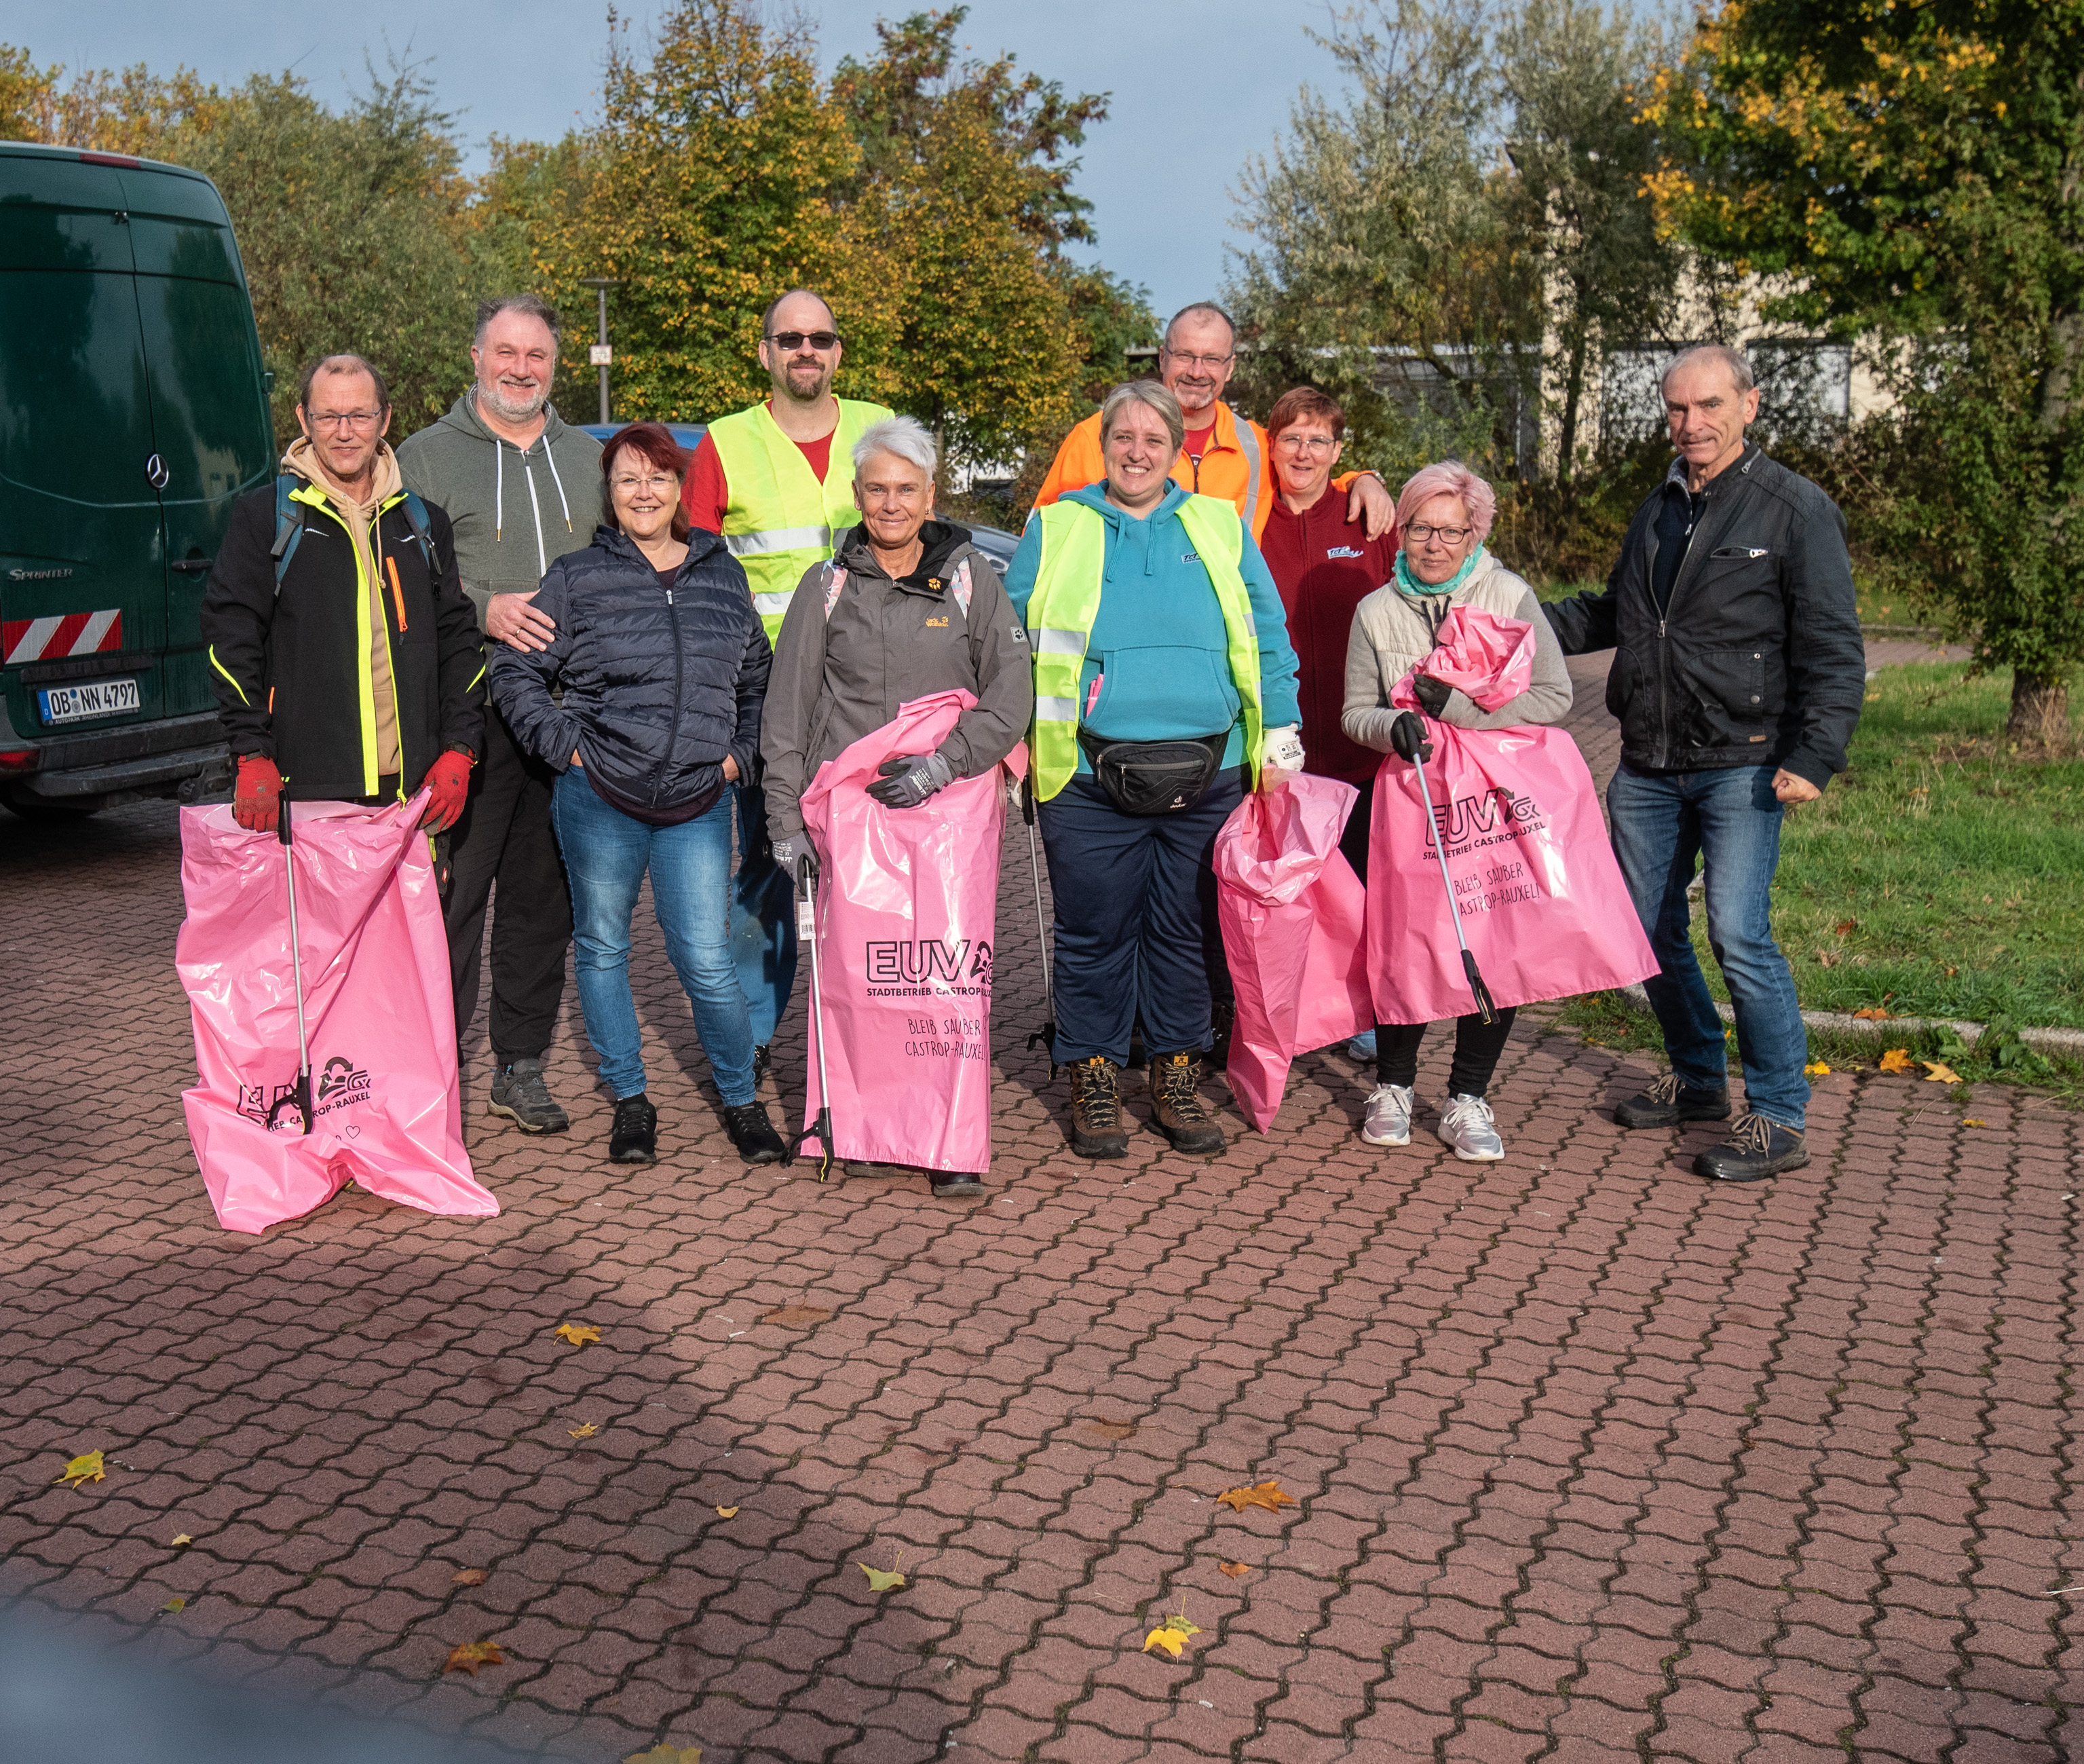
x,y
1542,901
1294,919
907,908
377,1010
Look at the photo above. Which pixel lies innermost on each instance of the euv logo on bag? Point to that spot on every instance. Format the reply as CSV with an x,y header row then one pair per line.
x,y
1486,818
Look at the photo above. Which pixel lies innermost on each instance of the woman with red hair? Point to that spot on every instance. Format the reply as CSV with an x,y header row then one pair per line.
x,y
664,664
1444,515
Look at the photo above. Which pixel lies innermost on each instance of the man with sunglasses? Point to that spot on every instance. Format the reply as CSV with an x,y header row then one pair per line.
x,y
777,482
1222,456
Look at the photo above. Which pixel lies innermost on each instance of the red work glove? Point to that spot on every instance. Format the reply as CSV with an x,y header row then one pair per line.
x,y
257,801
448,784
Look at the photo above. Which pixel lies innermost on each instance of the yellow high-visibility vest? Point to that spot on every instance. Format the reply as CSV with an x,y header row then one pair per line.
x,y
782,519
1067,600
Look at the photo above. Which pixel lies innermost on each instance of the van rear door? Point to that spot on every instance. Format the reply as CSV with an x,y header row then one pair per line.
x,y
210,425
83,597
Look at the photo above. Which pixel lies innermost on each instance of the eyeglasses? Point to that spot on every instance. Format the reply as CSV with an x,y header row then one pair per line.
x,y
1418,532
1294,442
659,487
818,340
1211,362
343,419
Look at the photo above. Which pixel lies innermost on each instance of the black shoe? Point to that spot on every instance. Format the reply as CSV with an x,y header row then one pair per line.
x,y
1668,1102
955,1184
1098,1128
1176,1108
763,1061
635,1138
753,1133
863,1167
520,1093
1755,1149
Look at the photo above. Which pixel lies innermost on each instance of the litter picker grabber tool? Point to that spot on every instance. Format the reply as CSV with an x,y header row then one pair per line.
x,y
806,933
1406,735
1046,1036
300,1094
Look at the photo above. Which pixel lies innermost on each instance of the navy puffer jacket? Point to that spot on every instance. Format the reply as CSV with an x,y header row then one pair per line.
x,y
659,686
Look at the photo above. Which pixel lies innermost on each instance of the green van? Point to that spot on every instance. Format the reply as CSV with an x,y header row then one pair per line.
x,y
134,410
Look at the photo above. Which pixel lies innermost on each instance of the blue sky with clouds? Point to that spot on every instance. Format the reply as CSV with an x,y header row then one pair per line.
x,y
1196,87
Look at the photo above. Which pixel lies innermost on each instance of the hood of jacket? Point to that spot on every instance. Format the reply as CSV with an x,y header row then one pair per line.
x,y
941,542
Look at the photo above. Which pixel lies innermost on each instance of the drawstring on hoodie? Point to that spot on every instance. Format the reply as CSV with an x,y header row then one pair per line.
x,y
499,495
498,489
551,460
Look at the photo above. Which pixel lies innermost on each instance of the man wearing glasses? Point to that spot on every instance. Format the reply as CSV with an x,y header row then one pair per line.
x,y
1221,455
777,481
345,660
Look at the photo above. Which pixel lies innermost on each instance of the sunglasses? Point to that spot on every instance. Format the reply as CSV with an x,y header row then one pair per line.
x,y
819,339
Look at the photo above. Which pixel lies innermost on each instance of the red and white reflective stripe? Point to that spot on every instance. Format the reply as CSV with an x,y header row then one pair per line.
x,y
69,634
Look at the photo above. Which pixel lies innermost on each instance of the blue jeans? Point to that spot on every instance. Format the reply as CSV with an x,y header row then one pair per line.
x,y
1661,821
607,854
762,919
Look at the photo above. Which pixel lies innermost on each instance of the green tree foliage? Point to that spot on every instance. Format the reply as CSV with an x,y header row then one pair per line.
x,y
1910,174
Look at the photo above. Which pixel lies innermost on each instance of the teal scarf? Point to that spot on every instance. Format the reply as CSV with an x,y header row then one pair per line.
x,y
1411,585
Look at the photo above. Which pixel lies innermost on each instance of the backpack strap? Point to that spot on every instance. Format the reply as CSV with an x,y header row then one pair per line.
x,y
288,526
415,517
835,584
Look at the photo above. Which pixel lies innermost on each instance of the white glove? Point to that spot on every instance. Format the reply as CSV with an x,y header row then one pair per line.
x,y
1283,749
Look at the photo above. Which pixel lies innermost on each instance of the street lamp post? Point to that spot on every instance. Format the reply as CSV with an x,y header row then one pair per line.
x,y
600,354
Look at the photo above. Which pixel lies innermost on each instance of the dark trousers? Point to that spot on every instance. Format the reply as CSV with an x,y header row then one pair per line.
x,y
1477,1049
1136,915
505,838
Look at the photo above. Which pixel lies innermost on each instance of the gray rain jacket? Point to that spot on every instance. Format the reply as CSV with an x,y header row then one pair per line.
x,y
515,511
842,673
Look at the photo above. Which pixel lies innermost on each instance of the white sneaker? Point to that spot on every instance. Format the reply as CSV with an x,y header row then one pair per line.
x,y
1467,1124
1388,1116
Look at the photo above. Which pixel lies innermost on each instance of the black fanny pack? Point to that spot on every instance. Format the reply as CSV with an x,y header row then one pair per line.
x,y
1154,777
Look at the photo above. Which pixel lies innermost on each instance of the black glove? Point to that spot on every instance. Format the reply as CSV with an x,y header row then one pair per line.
x,y
910,778
796,857
1430,692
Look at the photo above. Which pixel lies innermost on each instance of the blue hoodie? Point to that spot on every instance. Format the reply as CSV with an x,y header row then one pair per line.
x,y
1159,647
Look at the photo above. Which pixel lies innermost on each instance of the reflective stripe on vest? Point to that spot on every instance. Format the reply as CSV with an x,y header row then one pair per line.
x,y
781,521
1066,600
1248,441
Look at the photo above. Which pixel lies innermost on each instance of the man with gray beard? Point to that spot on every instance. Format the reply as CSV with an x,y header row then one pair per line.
x,y
521,488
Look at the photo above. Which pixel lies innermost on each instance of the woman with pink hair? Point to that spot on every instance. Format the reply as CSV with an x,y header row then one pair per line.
x,y
1444,514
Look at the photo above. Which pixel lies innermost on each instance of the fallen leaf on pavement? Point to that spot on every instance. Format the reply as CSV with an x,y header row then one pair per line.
x,y
472,1655
1236,1570
87,1468
1871,1013
579,1335
796,1316
663,1753
468,1577
1970,1120
1171,1640
1938,1072
1111,1430
1266,1495
585,1430
175,1604
181,1543
1816,1069
1897,1059
727,1513
883,1580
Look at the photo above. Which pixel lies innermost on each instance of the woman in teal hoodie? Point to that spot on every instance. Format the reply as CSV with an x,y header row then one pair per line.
x,y
1165,689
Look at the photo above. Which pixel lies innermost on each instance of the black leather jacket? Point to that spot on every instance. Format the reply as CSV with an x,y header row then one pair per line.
x,y
1758,658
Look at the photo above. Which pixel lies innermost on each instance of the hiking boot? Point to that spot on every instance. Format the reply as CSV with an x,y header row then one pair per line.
x,y
1176,1108
1466,1125
1668,1102
1098,1127
1755,1149
635,1138
1388,1116
752,1133
520,1093
955,1184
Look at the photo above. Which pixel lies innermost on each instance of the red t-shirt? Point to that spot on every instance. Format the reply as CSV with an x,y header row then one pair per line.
x,y
705,494
1324,566
1198,442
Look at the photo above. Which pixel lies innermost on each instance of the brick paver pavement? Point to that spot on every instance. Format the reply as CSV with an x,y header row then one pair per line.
x,y
1592,1461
